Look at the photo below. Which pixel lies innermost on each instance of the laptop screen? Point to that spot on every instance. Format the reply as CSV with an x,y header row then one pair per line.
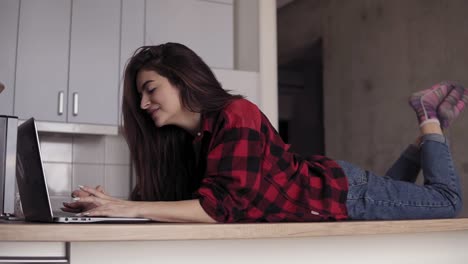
x,y
30,175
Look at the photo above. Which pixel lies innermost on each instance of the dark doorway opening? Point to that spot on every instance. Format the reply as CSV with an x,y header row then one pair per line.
x,y
300,101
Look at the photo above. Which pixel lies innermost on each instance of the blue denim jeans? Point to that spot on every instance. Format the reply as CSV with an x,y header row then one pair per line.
x,y
396,196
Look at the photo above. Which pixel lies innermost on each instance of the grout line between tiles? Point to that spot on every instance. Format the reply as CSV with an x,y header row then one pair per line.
x,y
104,183
72,174
105,155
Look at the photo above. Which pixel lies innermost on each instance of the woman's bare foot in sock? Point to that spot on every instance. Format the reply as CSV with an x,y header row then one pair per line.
x,y
452,105
425,103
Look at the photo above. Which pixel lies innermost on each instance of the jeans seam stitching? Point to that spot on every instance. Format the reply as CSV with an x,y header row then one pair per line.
x,y
449,204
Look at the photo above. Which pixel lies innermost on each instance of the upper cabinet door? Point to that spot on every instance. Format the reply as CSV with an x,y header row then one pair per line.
x,y
94,62
8,31
133,24
205,27
42,62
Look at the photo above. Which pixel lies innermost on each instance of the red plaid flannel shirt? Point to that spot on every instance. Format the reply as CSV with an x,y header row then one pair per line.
x,y
250,176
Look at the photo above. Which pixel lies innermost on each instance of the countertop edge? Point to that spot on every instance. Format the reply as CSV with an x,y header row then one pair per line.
x,y
192,231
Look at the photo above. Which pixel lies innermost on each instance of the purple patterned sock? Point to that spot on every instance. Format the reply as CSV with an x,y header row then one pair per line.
x,y
452,105
426,102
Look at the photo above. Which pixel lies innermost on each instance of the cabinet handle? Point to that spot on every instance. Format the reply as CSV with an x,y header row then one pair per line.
x,y
60,104
33,260
75,104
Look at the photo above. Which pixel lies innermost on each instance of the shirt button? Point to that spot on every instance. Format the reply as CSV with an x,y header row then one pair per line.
x,y
199,134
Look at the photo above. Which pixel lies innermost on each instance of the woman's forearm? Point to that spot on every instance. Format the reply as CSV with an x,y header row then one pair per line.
x,y
177,211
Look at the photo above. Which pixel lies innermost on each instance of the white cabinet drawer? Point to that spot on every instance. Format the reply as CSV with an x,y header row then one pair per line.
x,y
33,252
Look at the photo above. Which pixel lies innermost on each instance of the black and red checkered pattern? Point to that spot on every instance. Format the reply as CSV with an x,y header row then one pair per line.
x,y
251,176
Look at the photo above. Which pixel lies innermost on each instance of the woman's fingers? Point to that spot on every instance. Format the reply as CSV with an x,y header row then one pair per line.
x,y
80,193
99,188
69,210
93,213
76,207
89,199
103,211
94,202
80,206
93,191
71,205
116,208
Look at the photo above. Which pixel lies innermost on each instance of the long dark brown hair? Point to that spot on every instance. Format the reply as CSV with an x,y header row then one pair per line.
x,y
163,157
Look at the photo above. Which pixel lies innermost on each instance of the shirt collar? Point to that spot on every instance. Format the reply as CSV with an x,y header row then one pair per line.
x,y
207,124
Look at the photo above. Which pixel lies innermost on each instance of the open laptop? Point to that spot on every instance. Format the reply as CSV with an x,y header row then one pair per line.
x,y
32,183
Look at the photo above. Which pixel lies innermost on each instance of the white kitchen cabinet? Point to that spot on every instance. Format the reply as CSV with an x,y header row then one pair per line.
x,y
132,37
204,26
68,61
71,54
42,62
94,62
9,11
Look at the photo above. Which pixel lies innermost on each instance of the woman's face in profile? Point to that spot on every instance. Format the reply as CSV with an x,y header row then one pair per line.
x,y
159,98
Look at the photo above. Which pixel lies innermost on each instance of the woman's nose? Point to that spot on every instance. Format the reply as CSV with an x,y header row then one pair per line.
x,y
144,102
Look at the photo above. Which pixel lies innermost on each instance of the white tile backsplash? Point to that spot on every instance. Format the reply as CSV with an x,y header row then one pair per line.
x,y
56,147
116,150
72,160
88,149
117,180
58,178
90,175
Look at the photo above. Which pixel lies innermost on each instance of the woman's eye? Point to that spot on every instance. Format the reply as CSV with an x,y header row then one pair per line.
x,y
151,90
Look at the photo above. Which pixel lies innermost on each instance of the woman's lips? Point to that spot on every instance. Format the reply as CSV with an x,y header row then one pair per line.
x,y
153,112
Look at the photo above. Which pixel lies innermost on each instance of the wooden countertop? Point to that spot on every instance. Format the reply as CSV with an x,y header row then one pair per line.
x,y
21,231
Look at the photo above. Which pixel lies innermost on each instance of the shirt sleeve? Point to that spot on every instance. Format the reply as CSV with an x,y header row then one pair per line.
x,y
233,174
